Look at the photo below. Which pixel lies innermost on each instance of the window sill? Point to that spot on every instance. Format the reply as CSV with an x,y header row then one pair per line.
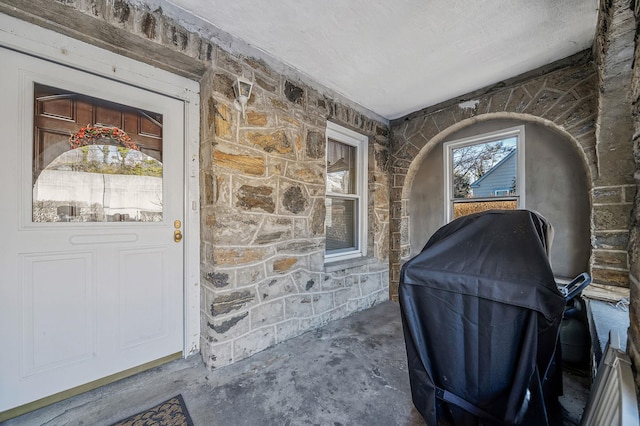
x,y
337,265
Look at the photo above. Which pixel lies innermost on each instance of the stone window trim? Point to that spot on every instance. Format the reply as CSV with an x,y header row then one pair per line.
x,y
448,147
360,142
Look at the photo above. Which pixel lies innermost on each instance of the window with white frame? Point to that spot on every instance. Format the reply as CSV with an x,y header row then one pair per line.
x,y
346,194
484,172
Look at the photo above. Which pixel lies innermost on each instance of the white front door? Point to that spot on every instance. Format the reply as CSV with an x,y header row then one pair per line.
x,y
91,274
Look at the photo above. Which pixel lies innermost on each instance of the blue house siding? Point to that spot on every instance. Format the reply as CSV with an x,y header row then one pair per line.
x,y
499,177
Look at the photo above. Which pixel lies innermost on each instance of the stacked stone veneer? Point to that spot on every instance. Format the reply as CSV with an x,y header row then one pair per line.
x,y
563,97
262,183
263,176
633,345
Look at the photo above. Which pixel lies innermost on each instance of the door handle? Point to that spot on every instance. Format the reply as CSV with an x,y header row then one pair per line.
x,y
177,235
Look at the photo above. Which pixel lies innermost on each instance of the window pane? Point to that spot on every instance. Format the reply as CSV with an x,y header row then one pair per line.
x,y
485,170
94,160
340,224
463,209
341,168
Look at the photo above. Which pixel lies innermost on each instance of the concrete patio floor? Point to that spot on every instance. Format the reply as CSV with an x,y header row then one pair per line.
x,y
351,372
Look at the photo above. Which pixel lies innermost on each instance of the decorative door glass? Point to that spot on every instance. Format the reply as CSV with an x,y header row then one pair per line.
x,y
94,161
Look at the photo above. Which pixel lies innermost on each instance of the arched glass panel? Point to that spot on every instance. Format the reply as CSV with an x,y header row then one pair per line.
x,y
99,183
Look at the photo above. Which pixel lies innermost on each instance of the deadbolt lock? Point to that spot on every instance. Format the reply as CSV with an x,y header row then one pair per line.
x,y
177,224
177,236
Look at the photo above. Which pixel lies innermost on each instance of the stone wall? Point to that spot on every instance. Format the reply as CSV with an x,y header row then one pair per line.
x,y
261,177
633,345
263,181
614,186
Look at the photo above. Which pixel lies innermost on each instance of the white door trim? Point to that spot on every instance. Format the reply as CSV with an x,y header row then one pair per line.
x,y
46,44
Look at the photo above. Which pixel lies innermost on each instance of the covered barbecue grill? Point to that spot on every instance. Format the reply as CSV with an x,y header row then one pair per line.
x,y
481,314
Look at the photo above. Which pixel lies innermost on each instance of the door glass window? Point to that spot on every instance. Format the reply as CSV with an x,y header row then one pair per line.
x,y
109,170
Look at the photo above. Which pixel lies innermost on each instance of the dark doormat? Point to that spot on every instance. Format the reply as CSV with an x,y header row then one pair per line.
x,y
172,412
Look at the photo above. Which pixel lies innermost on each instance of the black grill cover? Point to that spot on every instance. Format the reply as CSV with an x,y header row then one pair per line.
x,y
481,314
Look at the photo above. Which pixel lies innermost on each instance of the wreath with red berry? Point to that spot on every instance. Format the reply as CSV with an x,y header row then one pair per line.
x,y
93,135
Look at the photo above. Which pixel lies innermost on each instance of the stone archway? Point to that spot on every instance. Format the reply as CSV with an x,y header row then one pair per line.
x,y
557,185
564,100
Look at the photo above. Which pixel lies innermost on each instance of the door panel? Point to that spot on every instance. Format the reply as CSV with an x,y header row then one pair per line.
x,y
80,299
136,285
50,344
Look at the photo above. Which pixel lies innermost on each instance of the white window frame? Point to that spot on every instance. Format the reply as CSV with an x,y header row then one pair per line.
x,y
448,148
361,143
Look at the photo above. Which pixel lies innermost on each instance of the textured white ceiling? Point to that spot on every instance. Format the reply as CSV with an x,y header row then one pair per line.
x,y
396,57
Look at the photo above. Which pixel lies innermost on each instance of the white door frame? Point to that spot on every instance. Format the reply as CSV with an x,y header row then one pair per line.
x,y
30,39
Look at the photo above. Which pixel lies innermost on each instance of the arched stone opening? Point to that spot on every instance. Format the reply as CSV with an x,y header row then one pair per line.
x,y
558,184
563,100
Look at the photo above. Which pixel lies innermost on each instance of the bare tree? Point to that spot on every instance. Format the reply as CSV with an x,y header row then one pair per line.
x,y
471,162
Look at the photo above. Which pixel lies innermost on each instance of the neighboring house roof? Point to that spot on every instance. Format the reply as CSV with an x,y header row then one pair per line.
x,y
477,183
